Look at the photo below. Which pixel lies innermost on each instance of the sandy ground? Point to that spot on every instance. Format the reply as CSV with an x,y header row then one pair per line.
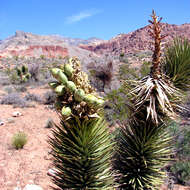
x,y
30,164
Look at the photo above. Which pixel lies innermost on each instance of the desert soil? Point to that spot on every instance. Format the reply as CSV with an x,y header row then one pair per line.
x,y
30,164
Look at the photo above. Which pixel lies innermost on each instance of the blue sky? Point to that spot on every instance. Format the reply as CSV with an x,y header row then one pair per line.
x,y
86,18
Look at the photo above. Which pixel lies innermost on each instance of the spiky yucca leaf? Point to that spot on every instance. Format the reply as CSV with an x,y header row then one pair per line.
x,y
142,150
161,98
82,151
177,63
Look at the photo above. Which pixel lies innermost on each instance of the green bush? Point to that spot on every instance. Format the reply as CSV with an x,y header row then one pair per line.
x,y
19,140
180,167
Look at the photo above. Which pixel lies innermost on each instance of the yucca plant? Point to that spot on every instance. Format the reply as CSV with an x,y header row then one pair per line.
x,y
142,151
144,145
177,63
81,145
81,151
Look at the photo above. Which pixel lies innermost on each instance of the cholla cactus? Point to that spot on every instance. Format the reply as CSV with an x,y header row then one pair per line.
x,y
74,91
23,73
81,144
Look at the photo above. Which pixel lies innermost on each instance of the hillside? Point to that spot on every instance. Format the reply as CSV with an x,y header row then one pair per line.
x,y
138,40
25,44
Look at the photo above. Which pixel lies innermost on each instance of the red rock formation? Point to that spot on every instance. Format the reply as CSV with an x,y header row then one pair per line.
x,y
138,40
49,51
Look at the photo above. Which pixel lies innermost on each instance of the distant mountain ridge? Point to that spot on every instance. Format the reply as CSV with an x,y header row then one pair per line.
x,y
25,37
139,40
32,45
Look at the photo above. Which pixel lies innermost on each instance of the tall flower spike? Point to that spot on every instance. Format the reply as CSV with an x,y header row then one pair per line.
x,y
156,35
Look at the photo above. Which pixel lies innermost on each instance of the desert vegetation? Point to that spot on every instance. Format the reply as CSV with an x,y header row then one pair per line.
x,y
134,137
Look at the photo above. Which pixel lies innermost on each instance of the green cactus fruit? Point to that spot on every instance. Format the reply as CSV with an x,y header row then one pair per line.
x,y
68,70
66,111
54,72
91,99
60,90
99,102
79,95
71,86
53,84
62,77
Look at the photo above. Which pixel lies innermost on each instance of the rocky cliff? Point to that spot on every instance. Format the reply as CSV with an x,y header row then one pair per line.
x,y
25,44
139,40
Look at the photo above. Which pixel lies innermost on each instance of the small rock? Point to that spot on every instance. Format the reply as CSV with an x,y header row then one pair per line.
x,y
1,123
10,120
51,172
17,188
32,187
31,182
16,114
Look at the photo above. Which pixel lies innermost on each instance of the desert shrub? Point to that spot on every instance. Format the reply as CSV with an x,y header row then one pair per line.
x,y
181,171
9,89
34,71
4,78
123,58
42,57
49,97
19,140
116,106
126,72
145,69
180,167
20,88
33,97
13,77
49,123
14,99
117,99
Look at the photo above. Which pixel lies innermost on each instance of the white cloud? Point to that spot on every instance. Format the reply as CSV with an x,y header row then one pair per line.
x,y
80,16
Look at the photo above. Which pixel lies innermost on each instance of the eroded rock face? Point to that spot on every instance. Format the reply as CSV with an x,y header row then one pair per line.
x,y
48,51
139,40
31,45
